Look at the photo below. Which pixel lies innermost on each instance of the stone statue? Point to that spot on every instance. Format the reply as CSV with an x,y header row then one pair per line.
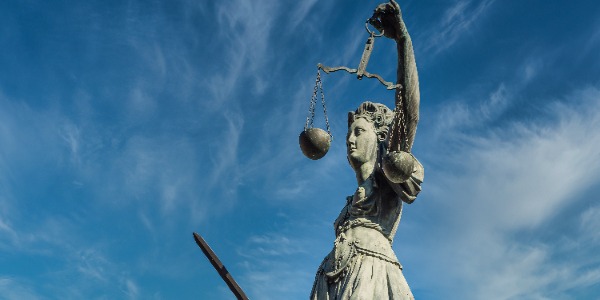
x,y
362,264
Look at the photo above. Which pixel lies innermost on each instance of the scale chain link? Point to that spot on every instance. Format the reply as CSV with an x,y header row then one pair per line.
x,y
313,102
320,83
401,144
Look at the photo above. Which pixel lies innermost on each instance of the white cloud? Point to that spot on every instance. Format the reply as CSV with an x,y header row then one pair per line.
x,y
300,13
592,41
153,176
8,236
477,109
13,289
275,245
455,116
92,264
590,224
71,136
273,265
141,103
495,187
225,152
246,27
458,19
131,289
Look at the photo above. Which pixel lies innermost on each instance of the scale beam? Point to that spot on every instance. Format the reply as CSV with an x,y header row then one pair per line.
x,y
364,60
388,85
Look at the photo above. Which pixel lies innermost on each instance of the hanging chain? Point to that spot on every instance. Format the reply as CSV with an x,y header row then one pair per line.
x,y
393,132
399,120
313,102
404,145
320,83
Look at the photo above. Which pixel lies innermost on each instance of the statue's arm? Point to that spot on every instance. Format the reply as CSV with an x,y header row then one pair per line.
x,y
388,18
408,78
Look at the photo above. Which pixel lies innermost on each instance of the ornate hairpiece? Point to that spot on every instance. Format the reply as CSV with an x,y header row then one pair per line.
x,y
380,115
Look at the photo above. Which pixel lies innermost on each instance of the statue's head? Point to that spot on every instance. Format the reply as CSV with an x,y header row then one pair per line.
x,y
367,132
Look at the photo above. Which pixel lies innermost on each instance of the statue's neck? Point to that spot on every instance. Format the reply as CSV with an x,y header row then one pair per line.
x,y
364,171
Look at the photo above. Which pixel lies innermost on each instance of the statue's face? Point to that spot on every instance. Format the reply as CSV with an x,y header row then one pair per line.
x,y
361,142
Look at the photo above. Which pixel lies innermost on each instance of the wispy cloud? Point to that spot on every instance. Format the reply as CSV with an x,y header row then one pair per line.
x,y
131,289
455,116
503,188
300,12
273,264
247,27
13,289
456,21
71,136
273,244
225,159
86,268
8,235
155,174
477,109
590,224
592,40
128,124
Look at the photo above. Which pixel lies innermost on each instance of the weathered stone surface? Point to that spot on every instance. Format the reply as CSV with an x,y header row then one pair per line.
x,y
362,264
398,166
314,143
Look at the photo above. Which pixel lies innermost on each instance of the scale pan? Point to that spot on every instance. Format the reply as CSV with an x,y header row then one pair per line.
x,y
314,142
398,166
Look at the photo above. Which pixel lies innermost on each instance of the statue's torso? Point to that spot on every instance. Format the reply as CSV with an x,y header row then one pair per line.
x,y
365,226
380,209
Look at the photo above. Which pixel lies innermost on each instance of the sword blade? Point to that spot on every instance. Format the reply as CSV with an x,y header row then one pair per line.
x,y
216,263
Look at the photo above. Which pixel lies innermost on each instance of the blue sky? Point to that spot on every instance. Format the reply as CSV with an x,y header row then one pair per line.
x,y
127,125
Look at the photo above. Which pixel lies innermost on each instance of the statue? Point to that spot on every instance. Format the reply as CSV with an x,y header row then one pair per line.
x,y
362,264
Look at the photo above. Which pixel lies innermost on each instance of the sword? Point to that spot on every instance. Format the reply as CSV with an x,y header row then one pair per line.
x,y
216,263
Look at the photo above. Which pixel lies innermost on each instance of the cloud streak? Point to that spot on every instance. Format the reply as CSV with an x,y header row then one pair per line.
x,y
124,127
274,263
514,181
456,21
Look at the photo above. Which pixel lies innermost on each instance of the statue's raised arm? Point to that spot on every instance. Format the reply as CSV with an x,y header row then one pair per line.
x,y
387,18
362,263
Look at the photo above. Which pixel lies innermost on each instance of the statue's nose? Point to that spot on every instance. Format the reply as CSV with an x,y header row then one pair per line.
x,y
351,139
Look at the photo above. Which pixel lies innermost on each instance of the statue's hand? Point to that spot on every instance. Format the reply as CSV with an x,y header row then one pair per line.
x,y
387,17
359,195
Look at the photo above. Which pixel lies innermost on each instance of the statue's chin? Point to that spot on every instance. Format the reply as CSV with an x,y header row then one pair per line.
x,y
356,160
398,166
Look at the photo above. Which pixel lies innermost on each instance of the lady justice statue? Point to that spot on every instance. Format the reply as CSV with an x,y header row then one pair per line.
x,y
362,264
